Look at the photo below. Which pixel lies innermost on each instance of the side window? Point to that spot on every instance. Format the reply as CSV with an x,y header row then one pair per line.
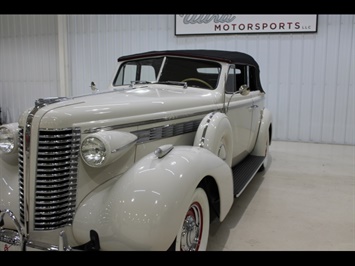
x,y
231,81
236,77
248,77
241,75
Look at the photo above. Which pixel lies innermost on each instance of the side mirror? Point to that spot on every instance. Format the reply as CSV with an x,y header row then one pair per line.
x,y
244,90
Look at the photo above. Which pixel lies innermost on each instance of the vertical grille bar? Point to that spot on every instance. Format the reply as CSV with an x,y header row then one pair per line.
x,y
21,174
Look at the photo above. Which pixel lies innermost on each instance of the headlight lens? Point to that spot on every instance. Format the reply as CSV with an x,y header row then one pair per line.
x,y
93,151
102,148
8,138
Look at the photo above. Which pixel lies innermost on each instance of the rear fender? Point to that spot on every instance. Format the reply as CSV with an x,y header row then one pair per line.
x,y
143,209
264,135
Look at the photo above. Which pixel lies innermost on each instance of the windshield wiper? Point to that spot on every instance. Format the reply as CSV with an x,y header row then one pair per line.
x,y
139,82
169,82
181,83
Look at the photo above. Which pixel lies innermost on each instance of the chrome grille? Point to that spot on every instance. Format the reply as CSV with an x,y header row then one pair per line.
x,y
20,167
56,178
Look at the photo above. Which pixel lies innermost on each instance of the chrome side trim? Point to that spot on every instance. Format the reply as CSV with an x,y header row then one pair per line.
x,y
202,141
166,131
142,123
125,147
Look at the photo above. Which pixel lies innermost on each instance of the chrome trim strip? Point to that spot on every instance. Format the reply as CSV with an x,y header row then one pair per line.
x,y
158,120
127,146
166,131
202,141
26,164
142,123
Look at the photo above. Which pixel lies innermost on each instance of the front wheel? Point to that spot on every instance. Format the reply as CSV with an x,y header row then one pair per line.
x,y
194,231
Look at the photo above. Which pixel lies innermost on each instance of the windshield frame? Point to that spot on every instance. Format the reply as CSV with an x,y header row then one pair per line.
x,y
169,70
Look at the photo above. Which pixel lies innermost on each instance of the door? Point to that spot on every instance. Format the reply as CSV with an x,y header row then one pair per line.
x,y
240,110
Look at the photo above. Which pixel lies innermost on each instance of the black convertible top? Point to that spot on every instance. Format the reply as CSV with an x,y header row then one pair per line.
x,y
232,57
220,55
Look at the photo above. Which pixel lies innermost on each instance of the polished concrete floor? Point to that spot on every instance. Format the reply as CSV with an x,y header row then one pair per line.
x,y
305,201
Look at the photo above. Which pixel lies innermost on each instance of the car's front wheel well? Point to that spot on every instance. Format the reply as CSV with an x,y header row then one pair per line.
x,y
210,186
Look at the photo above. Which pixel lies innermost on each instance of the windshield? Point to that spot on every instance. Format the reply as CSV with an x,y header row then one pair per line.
x,y
173,70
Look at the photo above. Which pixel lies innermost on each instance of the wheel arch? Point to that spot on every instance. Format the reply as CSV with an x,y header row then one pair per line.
x,y
209,184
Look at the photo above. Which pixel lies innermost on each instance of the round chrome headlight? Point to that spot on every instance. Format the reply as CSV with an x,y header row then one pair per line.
x,y
8,138
93,151
102,148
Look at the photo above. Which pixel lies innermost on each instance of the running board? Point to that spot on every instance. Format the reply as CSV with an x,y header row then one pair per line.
x,y
244,172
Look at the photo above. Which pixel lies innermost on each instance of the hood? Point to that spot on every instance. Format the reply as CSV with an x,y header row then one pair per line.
x,y
126,106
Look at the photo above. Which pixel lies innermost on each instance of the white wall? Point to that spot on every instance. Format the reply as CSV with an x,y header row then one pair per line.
x,y
309,78
28,62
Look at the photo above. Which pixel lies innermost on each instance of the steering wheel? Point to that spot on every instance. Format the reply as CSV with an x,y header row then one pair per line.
x,y
198,80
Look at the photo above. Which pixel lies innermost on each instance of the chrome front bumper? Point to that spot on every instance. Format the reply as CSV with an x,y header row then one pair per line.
x,y
18,240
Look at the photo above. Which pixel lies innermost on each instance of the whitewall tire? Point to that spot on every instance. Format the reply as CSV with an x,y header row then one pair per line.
x,y
194,231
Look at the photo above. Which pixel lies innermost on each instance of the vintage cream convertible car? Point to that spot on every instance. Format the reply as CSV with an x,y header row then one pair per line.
x,y
145,165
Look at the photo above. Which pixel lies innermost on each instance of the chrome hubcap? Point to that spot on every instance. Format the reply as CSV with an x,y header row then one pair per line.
x,y
192,229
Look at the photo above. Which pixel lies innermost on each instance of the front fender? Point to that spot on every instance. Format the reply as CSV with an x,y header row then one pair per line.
x,y
143,209
215,134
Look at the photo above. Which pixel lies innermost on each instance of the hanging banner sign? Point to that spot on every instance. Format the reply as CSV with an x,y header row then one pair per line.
x,y
187,24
